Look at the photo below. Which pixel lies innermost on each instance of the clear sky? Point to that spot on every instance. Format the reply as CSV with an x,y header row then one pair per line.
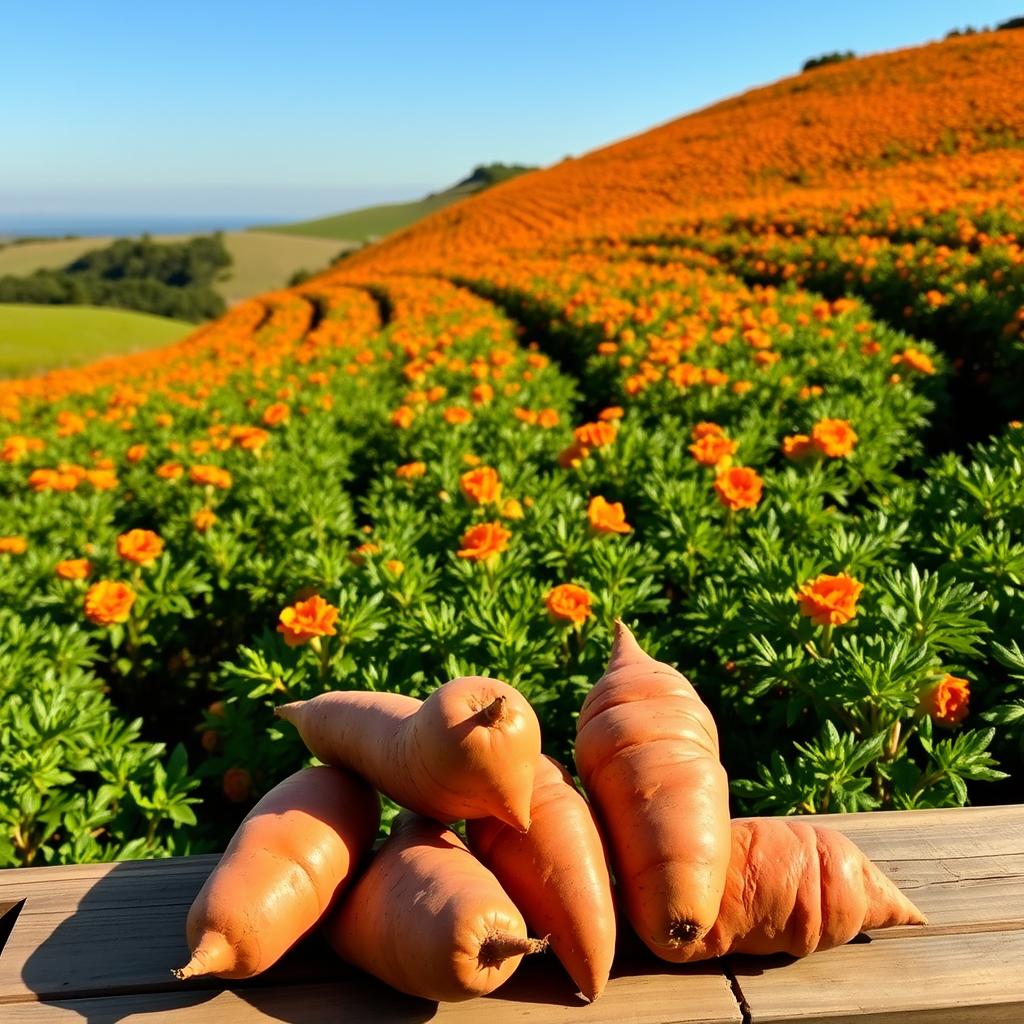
x,y
309,106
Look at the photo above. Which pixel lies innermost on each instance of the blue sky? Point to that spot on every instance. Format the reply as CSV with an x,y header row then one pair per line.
x,y
305,107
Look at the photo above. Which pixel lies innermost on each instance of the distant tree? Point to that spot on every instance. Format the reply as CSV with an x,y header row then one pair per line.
x,y
1011,23
828,58
171,279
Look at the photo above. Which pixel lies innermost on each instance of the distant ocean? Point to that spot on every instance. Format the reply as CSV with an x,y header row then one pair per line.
x,y
57,225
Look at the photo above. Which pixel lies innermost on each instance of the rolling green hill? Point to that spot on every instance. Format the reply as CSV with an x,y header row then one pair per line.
x,y
261,261
34,338
376,221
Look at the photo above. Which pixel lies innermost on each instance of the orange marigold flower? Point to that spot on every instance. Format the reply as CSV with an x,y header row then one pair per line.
x,y
140,546
613,412
713,449
163,419
136,453
13,545
276,414
797,446
73,569
571,457
210,476
402,417
204,519
484,541
739,487
304,620
599,434
251,439
411,471
548,418
456,415
69,424
170,471
947,700
394,566
916,360
237,785
102,479
108,602
359,555
834,438
481,394
707,429
481,486
829,600
568,603
512,509
43,480
607,516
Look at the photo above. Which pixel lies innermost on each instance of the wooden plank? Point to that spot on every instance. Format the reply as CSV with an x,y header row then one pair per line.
x,y
916,980
696,995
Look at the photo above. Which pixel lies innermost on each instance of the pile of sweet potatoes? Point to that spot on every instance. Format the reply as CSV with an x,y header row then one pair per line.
x,y
447,919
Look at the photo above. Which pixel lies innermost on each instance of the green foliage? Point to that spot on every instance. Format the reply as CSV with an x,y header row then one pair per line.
x,y
171,279
836,57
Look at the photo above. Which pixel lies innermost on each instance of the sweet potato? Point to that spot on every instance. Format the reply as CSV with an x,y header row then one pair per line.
x,y
557,875
429,919
796,888
284,868
647,753
467,751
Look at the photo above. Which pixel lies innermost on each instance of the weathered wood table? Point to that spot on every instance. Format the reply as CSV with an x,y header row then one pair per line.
x,y
96,943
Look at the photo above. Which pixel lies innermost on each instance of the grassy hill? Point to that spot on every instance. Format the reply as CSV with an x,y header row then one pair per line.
x,y
376,221
35,338
262,261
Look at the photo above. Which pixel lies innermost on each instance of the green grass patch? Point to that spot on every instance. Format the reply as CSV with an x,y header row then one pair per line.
x,y
36,338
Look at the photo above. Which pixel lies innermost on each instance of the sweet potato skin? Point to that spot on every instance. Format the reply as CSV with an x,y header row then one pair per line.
x,y
557,874
647,754
284,869
467,751
797,888
421,915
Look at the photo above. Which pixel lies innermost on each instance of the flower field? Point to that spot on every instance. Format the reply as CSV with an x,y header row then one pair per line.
x,y
752,381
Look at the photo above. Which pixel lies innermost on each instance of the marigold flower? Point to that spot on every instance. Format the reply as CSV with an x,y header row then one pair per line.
x,y
102,479
706,429
136,453
947,700
394,566
512,509
204,519
210,476
13,545
916,360
571,457
568,603
69,424
798,446
73,568
481,394
170,471
830,600
607,516
599,434
304,620
108,602
739,487
402,417
481,486
482,542
140,546
834,438
456,415
411,471
548,418
613,412
237,785
713,449
251,439
359,555
276,414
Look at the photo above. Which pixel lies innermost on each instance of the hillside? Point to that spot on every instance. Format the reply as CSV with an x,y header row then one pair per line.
x,y
373,222
260,261
749,382
36,338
